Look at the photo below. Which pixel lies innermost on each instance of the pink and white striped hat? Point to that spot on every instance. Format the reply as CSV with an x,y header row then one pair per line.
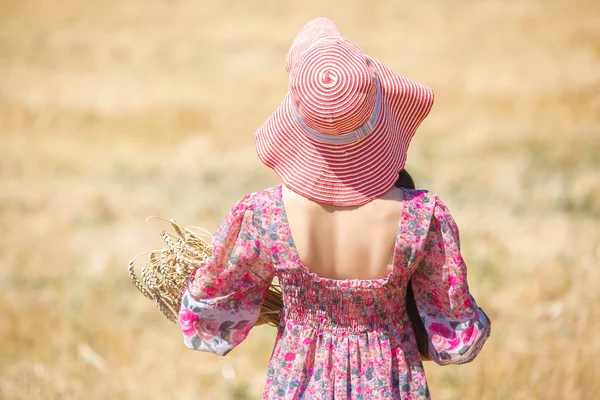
x,y
341,134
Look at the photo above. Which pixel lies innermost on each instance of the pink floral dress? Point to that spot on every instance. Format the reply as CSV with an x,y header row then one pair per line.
x,y
338,339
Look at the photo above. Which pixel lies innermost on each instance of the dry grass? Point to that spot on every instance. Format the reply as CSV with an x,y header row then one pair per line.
x,y
111,111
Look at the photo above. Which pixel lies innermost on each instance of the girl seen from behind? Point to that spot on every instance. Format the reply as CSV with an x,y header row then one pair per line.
x,y
342,239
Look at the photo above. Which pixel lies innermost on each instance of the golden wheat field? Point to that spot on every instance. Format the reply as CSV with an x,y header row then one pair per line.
x,y
115,110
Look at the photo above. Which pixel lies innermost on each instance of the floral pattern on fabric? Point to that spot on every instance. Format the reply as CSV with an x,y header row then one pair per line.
x,y
338,339
455,325
213,317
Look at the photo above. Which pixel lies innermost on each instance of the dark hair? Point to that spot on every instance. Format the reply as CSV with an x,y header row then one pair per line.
x,y
406,181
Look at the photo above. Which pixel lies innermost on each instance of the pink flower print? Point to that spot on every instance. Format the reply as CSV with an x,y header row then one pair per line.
x,y
206,328
307,341
211,291
186,322
239,335
442,330
289,357
437,302
458,259
453,344
467,302
217,283
381,370
467,333
443,337
237,296
452,280
438,341
274,250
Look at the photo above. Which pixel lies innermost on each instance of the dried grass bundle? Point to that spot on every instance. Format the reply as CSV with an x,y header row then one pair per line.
x,y
165,274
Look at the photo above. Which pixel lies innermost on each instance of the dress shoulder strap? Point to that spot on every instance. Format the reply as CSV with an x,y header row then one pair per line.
x,y
417,209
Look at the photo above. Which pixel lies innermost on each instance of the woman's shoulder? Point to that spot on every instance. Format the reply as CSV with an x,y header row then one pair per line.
x,y
259,202
429,208
419,195
262,197
251,210
426,203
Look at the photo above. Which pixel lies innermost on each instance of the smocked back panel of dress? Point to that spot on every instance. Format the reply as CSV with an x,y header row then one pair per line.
x,y
348,331
337,305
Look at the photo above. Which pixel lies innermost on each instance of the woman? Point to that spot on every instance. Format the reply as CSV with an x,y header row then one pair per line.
x,y
341,238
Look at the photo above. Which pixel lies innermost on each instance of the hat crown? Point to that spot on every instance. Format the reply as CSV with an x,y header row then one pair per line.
x,y
333,86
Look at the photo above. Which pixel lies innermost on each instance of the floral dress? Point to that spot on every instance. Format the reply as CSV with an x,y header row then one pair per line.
x,y
338,339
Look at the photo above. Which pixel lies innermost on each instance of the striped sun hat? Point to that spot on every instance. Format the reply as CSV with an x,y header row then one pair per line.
x,y
341,134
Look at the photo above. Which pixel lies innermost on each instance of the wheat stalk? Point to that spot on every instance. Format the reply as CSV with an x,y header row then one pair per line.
x,y
164,276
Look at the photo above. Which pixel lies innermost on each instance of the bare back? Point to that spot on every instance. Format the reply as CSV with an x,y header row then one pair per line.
x,y
345,242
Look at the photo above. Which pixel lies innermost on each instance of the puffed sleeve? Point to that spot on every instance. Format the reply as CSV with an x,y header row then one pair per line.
x,y
223,298
456,326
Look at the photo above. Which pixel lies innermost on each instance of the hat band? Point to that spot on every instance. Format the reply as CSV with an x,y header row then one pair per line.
x,y
351,137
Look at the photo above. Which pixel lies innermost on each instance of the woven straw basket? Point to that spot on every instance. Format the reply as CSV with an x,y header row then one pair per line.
x,y
165,274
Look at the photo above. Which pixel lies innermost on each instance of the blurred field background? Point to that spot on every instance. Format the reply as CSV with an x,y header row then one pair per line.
x,y
111,111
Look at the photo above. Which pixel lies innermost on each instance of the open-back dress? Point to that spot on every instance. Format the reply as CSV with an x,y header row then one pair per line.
x,y
338,339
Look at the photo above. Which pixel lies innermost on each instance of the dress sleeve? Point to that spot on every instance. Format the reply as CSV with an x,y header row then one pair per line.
x,y
223,298
456,326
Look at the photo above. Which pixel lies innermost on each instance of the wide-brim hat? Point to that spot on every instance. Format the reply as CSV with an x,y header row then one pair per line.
x,y
342,132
